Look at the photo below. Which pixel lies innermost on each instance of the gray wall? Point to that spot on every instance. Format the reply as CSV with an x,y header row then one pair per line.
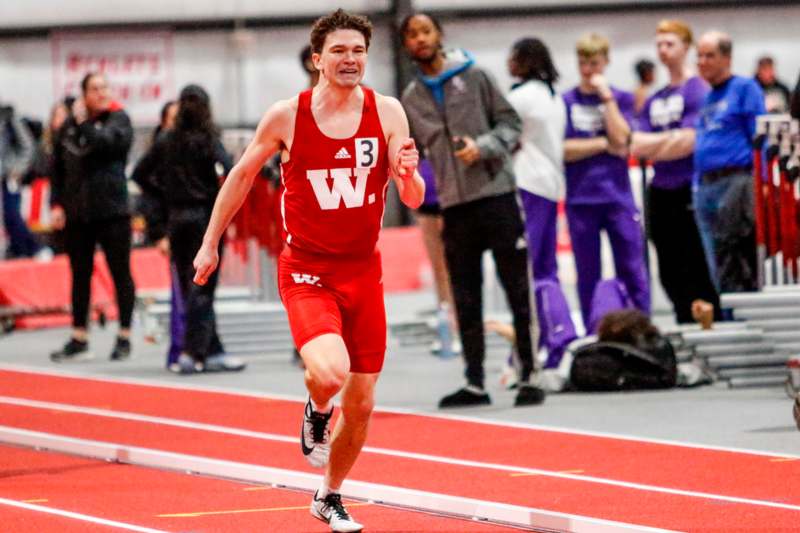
x,y
243,83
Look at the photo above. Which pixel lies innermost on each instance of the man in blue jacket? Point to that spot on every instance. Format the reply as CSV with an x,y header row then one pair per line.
x,y
723,161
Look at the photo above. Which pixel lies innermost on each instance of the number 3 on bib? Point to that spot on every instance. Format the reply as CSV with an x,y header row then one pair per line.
x,y
366,152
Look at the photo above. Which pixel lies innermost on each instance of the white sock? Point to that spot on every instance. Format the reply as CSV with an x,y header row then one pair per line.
x,y
320,408
323,490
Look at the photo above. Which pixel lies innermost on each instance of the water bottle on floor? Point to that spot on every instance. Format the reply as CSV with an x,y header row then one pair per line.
x,y
444,333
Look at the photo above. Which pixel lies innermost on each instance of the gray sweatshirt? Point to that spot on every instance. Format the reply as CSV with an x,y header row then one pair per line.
x,y
463,101
16,146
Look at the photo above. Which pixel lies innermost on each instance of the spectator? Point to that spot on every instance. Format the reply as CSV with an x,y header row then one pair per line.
x,y
777,98
17,151
308,65
599,193
667,138
646,74
429,219
468,131
538,167
169,114
90,201
188,162
151,204
723,161
44,160
152,209
795,108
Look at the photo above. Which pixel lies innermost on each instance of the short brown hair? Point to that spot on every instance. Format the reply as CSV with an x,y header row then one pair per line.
x,y
678,27
592,44
338,20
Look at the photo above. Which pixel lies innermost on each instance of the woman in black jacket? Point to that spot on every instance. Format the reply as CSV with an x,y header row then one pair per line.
x,y
89,199
187,163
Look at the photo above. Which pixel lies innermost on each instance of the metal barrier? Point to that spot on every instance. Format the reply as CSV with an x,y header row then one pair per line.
x,y
776,167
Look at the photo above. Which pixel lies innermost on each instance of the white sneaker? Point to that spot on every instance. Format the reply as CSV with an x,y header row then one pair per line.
x,y
44,255
315,436
330,510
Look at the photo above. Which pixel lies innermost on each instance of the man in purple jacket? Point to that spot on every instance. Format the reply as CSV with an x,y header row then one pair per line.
x,y
598,187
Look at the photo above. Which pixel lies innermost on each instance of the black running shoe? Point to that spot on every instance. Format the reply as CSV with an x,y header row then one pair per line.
x,y
315,436
73,350
122,350
330,510
529,395
466,397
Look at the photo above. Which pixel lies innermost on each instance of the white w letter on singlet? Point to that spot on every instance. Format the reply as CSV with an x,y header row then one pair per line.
x,y
342,187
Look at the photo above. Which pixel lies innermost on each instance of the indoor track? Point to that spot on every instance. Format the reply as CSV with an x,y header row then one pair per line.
x,y
528,476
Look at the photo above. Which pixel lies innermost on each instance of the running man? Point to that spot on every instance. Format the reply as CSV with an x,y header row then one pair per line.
x,y
350,140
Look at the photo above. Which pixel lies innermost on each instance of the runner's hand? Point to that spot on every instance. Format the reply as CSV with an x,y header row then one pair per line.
x,y
407,159
205,263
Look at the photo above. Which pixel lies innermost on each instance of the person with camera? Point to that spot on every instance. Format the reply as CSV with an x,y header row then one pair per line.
x,y
469,129
89,200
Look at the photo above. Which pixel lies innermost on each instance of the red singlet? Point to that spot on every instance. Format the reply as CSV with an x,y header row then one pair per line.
x,y
334,189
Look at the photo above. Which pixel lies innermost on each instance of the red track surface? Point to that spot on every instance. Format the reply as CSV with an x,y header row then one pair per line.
x,y
723,473
140,496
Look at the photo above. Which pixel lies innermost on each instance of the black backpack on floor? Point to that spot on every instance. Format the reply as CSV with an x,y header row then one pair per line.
x,y
630,355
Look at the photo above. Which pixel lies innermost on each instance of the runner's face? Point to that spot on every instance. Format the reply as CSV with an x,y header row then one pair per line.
x,y
421,39
591,65
671,49
343,58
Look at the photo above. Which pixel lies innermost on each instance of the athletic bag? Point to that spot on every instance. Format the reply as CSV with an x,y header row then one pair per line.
x,y
631,354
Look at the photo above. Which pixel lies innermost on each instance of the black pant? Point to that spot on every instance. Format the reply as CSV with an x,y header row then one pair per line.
x,y
682,263
186,228
114,237
469,229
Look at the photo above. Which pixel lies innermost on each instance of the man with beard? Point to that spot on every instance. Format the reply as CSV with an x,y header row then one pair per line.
x,y
469,130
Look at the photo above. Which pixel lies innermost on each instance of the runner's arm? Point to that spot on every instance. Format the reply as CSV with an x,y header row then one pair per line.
x,y
403,155
268,139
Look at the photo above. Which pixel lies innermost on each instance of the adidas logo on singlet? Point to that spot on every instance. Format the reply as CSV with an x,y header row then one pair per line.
x,y
342,154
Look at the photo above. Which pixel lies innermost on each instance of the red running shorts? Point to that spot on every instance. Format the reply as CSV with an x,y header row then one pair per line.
x,y
335,295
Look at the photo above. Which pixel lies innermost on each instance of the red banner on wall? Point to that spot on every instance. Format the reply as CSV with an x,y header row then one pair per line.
x,y
139,68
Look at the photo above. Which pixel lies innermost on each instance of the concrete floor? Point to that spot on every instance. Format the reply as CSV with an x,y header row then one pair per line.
x,y
413,379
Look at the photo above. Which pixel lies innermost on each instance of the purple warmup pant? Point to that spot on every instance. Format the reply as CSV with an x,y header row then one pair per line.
x,y
555,322
540,228
621,223
177,318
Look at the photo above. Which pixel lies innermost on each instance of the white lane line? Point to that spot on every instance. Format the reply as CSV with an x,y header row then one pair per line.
x,y
539,519
389,452
394,410
78,516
